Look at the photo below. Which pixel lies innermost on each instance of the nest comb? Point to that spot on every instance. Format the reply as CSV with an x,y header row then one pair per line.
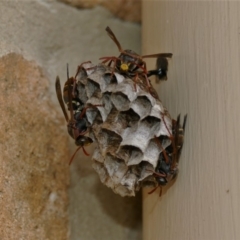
x,y
125,127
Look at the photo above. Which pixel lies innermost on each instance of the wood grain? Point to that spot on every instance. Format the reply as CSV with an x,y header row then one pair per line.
x,y
204,82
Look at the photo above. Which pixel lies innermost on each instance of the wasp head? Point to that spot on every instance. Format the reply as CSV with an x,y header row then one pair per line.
x,y
83,140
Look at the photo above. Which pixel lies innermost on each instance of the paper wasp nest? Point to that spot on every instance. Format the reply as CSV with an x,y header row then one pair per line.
x,y
124,128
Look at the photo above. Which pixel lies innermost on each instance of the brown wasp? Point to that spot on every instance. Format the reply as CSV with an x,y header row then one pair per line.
x,y
77,124
132,65
166,169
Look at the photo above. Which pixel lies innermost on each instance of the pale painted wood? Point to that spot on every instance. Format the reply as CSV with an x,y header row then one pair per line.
x,y
204,81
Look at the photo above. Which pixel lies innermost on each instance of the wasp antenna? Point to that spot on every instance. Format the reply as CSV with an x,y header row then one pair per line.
x,y
85,152
113,37
74,154
153,190
165,55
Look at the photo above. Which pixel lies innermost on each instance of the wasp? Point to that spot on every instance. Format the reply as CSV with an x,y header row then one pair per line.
x,y
77,124
132,64
167,167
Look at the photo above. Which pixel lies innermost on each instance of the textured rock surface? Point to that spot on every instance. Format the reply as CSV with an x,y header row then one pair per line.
x,y
129,10
124,128
33,171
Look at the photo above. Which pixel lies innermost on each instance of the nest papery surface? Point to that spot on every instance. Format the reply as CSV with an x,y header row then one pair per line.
x,y
125,127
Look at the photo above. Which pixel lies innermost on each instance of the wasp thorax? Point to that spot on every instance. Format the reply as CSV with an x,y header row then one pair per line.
x,y
129,61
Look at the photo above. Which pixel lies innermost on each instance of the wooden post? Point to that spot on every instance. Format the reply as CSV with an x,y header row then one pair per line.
x,y
204,82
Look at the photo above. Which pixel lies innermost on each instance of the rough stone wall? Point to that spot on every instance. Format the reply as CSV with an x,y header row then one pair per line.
x,y
33,175
35,147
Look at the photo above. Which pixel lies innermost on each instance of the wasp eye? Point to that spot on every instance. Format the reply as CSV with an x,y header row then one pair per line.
x,y
124,67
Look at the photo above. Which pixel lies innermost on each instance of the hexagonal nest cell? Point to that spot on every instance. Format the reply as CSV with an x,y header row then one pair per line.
x,y
125,128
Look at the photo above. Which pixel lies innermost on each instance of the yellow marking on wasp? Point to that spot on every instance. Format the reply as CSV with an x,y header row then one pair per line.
x,y
124,67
